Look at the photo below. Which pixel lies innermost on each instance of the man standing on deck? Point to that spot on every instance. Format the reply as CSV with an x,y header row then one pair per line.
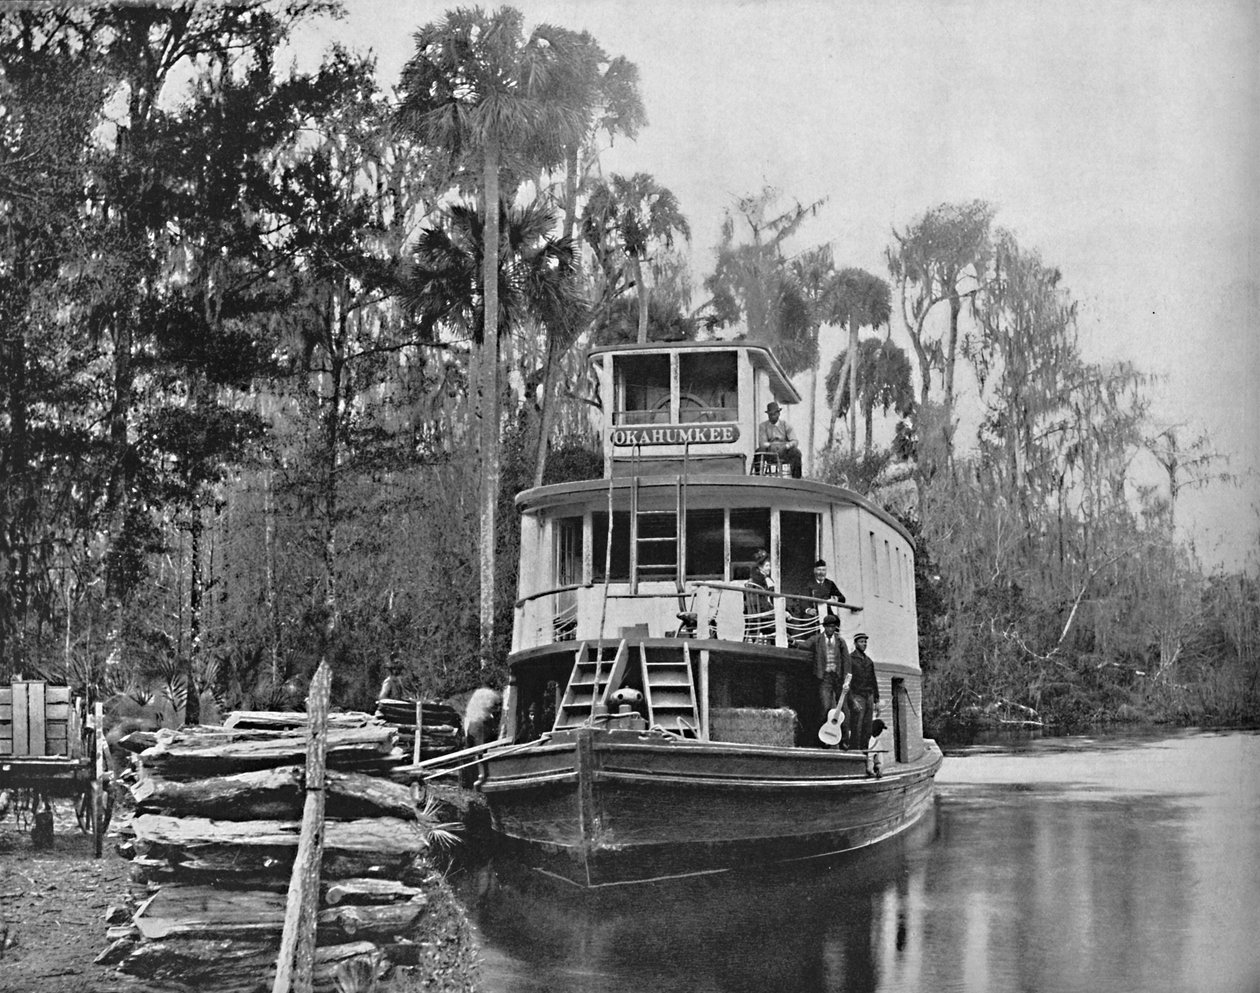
x,y
778,437
822,588
863,700
831,663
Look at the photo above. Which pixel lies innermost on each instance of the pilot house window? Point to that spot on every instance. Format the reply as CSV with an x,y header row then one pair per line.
x,y
707,387
702,386
643,392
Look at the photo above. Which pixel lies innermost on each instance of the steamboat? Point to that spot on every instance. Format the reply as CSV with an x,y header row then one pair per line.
x,y
663,717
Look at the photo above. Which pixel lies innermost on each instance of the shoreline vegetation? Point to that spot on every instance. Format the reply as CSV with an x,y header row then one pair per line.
x,y
281,347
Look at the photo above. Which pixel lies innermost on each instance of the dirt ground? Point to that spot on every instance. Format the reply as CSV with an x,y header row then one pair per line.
x,y
52,918
52,909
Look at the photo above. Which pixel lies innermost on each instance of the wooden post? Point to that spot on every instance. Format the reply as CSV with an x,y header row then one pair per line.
x,y
295,964
415,751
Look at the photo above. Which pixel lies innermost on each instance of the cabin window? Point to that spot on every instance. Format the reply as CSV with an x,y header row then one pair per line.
x,y
642,389
620,571
750,531
706,544
892,594
568,551
708,385
874,565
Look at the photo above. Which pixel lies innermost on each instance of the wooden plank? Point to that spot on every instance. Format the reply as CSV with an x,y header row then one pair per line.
x,y
6,694
6,710
296,961
58,694
55,741
35,715
56,710
6,746
21,732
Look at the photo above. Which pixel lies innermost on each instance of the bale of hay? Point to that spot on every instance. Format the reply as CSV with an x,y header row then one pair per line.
x,y
753,725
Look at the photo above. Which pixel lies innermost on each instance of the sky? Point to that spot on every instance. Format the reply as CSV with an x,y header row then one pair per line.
x,y
1120,140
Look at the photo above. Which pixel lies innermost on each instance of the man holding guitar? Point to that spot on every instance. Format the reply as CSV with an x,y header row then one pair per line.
x,y
833,672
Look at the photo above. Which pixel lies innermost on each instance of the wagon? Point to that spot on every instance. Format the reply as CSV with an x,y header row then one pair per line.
x,y
51,748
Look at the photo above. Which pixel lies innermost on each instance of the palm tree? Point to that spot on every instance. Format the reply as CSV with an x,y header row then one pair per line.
x,y
815,273
442,283
860,301
633,213
477,90
883,381
613,84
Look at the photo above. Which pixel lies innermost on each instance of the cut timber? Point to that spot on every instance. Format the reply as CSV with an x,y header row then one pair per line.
x,y
268,794
221,750
382,836
231,865
277,720
207,912
230,966
376,919
368,891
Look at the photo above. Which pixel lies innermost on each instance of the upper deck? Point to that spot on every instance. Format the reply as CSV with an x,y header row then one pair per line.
x,y
700,403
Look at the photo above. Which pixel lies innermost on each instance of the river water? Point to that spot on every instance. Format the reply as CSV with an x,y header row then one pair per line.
x,y
1094,864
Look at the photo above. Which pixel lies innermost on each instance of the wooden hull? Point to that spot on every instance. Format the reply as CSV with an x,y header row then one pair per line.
x,y
599,807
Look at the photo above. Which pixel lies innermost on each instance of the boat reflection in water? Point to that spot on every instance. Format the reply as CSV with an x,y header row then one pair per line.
x,y
845,923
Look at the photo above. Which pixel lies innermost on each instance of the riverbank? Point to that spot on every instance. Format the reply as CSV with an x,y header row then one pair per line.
x,y
53,905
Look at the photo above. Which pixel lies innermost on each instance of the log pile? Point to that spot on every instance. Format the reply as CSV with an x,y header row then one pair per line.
x,y
441,729
216,827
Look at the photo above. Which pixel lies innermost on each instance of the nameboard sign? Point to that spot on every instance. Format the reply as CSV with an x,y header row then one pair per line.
x,y
675,434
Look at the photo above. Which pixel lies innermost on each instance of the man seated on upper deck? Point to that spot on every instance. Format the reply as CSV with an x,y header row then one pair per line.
x,y
777,437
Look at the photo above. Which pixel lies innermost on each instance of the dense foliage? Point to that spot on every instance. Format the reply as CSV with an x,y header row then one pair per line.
x,y
272,375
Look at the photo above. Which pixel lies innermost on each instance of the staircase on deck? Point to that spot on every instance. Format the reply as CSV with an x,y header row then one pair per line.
x,y
669,689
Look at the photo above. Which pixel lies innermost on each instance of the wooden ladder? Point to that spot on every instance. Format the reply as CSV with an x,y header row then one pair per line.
x,y
670,692
591,682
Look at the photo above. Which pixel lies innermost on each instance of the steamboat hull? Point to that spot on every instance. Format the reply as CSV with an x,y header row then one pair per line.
x,y
601,807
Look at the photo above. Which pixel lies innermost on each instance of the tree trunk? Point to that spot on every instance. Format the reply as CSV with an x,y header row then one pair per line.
x,y
546,411
955,306
332,436
489,399
853,371
192,703
546,414
835,401
269,556
813,405
921,357
641,290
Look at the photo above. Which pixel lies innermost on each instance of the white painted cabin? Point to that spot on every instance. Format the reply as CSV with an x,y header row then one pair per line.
x,y
678,423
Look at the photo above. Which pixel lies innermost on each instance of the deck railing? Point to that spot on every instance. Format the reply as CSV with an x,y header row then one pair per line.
x,y
705,609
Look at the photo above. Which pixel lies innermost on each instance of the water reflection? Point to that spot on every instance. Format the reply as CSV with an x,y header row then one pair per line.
x,y
1125,867
825,925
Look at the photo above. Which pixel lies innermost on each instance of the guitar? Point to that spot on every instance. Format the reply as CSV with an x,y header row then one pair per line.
x,y
830,733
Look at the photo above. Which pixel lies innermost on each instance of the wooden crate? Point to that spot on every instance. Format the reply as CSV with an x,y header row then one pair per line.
x,y
35,720
753,725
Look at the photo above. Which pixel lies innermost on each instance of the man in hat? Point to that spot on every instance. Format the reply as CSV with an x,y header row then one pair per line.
x,y
831,663
822,588
862,703
774,435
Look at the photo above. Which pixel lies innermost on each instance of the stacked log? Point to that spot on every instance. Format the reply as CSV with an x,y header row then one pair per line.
x,y
213,840
440,725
